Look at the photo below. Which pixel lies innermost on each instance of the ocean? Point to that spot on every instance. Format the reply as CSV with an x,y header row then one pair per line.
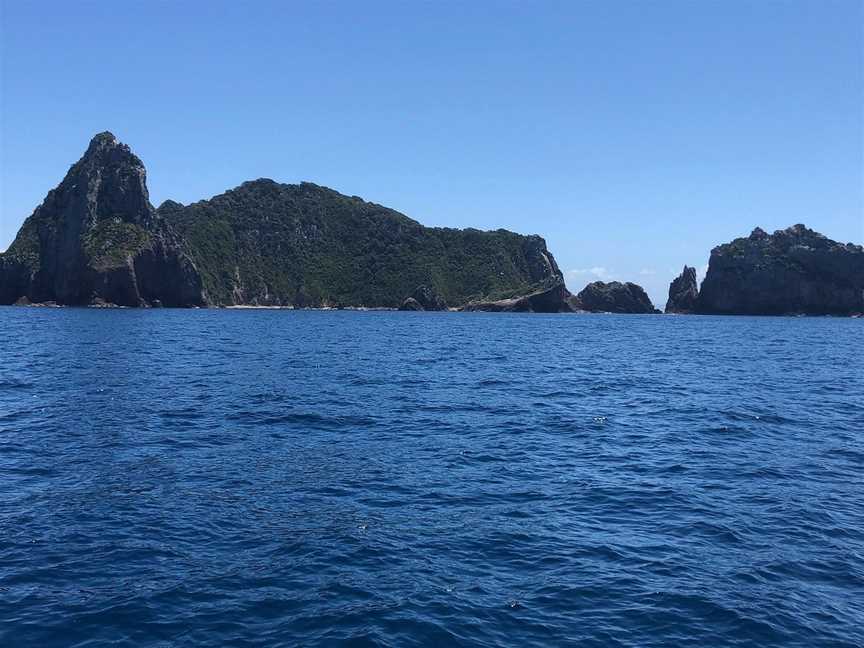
x,y
329,478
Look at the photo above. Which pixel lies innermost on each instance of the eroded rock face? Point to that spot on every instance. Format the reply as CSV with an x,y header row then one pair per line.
x,y
424,298
792,271
97,239
614,297
411,304
683,292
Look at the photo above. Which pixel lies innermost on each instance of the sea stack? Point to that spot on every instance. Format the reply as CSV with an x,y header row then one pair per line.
x,y
683,292
614,297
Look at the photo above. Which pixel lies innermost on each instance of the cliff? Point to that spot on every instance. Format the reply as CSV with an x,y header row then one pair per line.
x,y
792,271
96,238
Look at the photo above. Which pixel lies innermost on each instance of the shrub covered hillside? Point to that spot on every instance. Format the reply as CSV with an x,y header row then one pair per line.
x,y
266,243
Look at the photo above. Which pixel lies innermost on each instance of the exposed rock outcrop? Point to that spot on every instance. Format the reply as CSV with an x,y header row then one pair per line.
x,y
97,239
683,292
424,299
411,304
614,297
552,298
792,271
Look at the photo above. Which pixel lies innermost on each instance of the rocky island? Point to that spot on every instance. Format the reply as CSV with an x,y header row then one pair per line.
x,y
613,297
96,239
794,271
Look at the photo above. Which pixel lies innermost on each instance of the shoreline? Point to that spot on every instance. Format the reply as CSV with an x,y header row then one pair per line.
x,y
364,309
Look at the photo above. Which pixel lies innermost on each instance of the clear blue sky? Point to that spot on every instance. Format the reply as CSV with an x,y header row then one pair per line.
x,y
633,135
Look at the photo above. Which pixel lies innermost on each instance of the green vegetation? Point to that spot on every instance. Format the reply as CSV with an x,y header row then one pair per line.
x,y
25,247
262,243
112,241
306,245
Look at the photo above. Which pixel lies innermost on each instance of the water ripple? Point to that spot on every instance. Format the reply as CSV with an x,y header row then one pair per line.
x,y
275,478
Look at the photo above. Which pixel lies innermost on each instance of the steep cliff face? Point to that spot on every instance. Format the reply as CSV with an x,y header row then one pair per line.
x,y
683,292
96,238
793,271
613,297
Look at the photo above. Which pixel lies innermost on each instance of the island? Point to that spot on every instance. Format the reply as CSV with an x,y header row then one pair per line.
x,y
794,271
97,240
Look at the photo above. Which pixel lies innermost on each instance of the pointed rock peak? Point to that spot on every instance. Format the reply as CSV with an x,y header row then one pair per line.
x,y
103,142
104,138
683,292
105,150
109,181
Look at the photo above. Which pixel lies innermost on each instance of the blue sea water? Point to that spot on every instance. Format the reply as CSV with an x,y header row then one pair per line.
x,y
278,478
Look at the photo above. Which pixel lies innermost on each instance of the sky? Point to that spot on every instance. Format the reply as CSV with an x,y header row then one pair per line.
x,y
633,135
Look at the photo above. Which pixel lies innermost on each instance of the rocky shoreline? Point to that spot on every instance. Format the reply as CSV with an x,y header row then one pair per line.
x,y
385,309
